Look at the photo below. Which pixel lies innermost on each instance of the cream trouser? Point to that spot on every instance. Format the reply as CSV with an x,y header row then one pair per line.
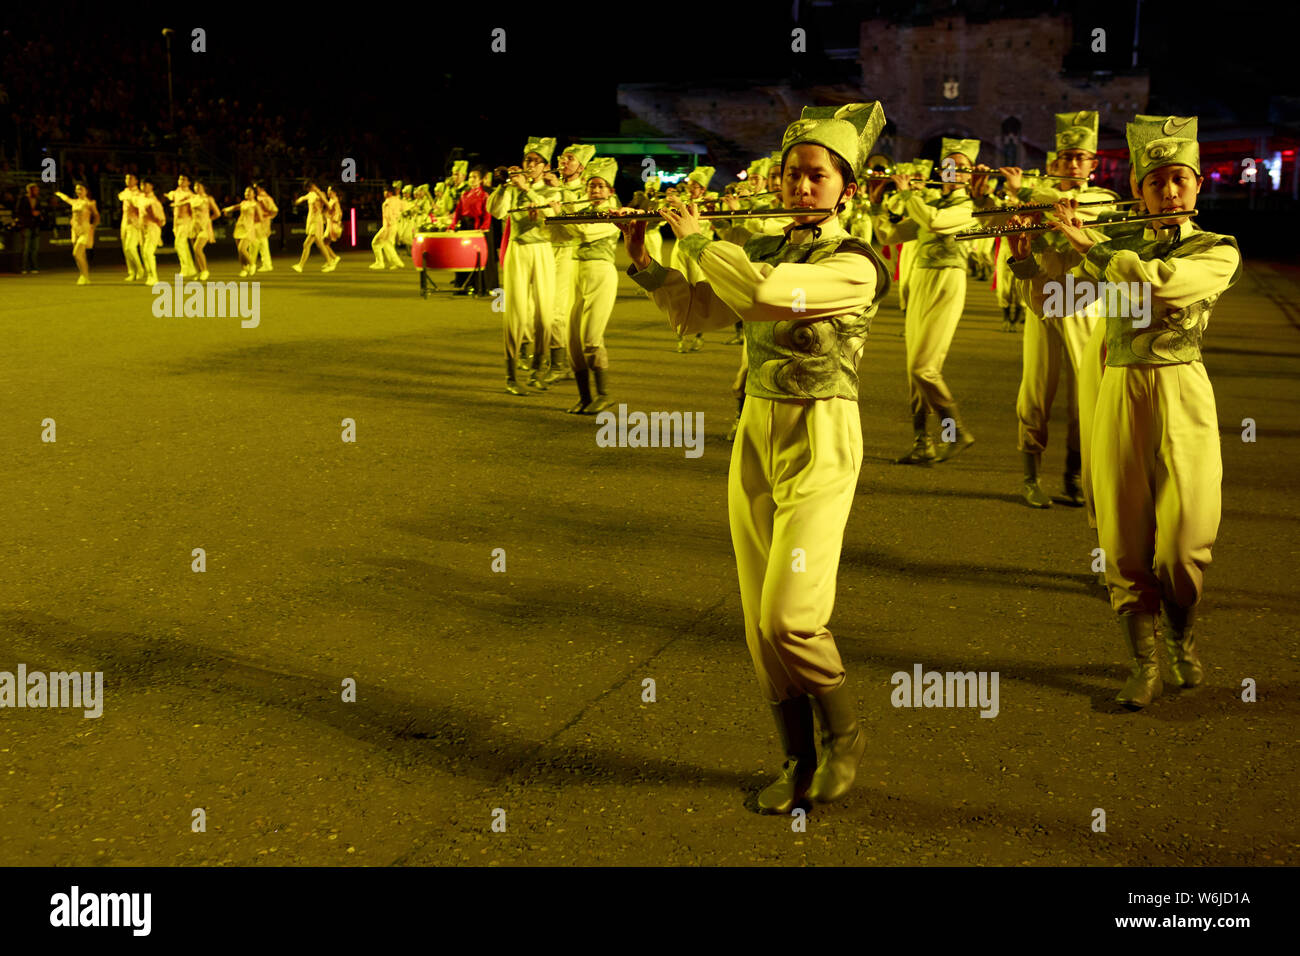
x,y
1156,474
264,249
383,248
181,233
150,240
1052,347
935,303
1008,290
906,260
530,295
794,471
131,251
565,278
1092,363
597,287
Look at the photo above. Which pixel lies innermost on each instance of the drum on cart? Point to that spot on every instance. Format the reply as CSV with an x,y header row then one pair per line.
x,y
464,251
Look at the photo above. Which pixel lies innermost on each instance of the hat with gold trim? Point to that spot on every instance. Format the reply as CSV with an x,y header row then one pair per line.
x,y
701,175
603,167
1077,130
970,148
543,146
1155,141
582,152
849,131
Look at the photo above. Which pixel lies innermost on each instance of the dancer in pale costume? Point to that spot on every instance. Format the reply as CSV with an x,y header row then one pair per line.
x,y
85,217
316,202
182,225
250,210
382,245
333,223
152,218
268,212
203,207
130,229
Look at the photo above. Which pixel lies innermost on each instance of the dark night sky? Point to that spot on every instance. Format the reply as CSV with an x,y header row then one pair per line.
x,y
430,81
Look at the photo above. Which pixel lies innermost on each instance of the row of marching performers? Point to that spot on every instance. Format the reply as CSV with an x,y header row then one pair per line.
x,y
1150,453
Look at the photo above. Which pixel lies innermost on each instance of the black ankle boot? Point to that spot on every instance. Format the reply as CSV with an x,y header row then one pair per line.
x,y
843,744
602,400
794,725
512,386
584,392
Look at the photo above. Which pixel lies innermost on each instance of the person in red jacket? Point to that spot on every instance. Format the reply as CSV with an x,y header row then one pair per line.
x,y
471,213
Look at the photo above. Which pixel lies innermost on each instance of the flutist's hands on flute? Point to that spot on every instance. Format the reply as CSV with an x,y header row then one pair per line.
x,y
979,180
1070,225
902,180
684,219
634,238
1019,242
876,190
1012,176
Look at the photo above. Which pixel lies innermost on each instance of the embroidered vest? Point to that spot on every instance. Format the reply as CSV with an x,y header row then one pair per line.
x,y
1173,337
803,358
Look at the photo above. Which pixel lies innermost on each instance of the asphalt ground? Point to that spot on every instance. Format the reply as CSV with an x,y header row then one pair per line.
x,y
523,691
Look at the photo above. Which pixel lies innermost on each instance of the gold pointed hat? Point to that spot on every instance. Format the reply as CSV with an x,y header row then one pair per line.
x,y
460,166
603,167
702,175
970,148
1077,130
849,131
582,152
1155,141
543,146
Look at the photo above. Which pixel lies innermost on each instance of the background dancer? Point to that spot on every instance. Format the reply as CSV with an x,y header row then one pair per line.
x,y
204,207
85,217
130,228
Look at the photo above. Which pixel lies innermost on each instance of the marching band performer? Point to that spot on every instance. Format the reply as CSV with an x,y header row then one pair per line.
x,y
572,186
268,212
596,287
937,295
471,212
152,218
530,261
203,207
1156,464
1057,345
917,169
85,217
795,463
697,188
130,230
